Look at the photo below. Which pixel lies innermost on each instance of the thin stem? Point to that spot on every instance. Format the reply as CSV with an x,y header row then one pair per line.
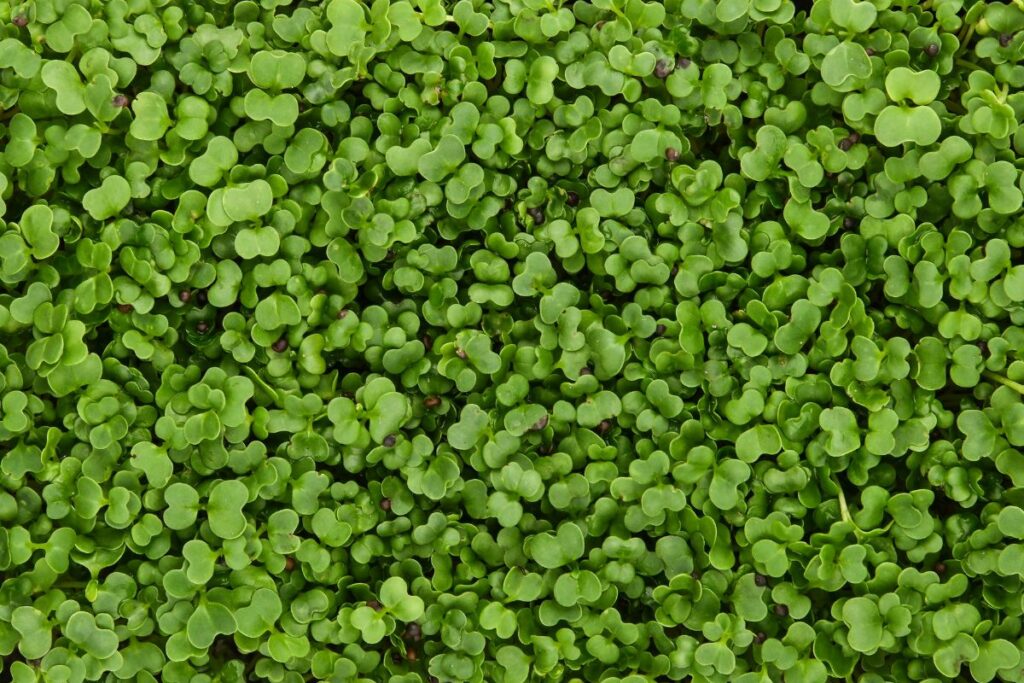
x,y
1016,386
966,37
969,64
844,509
269,390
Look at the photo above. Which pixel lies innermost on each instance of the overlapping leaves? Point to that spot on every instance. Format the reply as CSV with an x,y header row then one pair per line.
x,y
458,341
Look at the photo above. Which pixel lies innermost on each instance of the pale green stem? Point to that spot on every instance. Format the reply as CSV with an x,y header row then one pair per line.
x,y
844,509
966,37
1016,386
269,390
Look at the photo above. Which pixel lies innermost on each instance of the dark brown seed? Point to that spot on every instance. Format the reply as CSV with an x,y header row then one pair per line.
x,y
870,51
21,21
760,638
604,426
586,371
373,604
390,440
428,342
460,353
1005,39
281,345
203,327
431,401
845,144
540,424
572,199
940,568
672,154
659,330
854,137
682,63
289,563
125,308
121,101
385,504
761,579
781,610
184,296
201,297
411,655
849,222
662,69
342,313
695,575
931,49
536,214
413,632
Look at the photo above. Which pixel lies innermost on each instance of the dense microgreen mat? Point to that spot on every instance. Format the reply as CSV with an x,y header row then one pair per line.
x,y
511,340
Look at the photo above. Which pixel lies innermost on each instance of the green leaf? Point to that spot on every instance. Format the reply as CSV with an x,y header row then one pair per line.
x,y
151,118
862,617
224,509
897,125
34,629
348,26
65,81
37,227
553,550
107,200
846,66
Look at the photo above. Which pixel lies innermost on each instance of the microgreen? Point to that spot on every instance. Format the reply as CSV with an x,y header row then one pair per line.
x,y
458,341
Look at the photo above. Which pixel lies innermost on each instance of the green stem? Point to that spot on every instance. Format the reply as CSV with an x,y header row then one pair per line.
x,y
966,37
1016,386
844,509
267,389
